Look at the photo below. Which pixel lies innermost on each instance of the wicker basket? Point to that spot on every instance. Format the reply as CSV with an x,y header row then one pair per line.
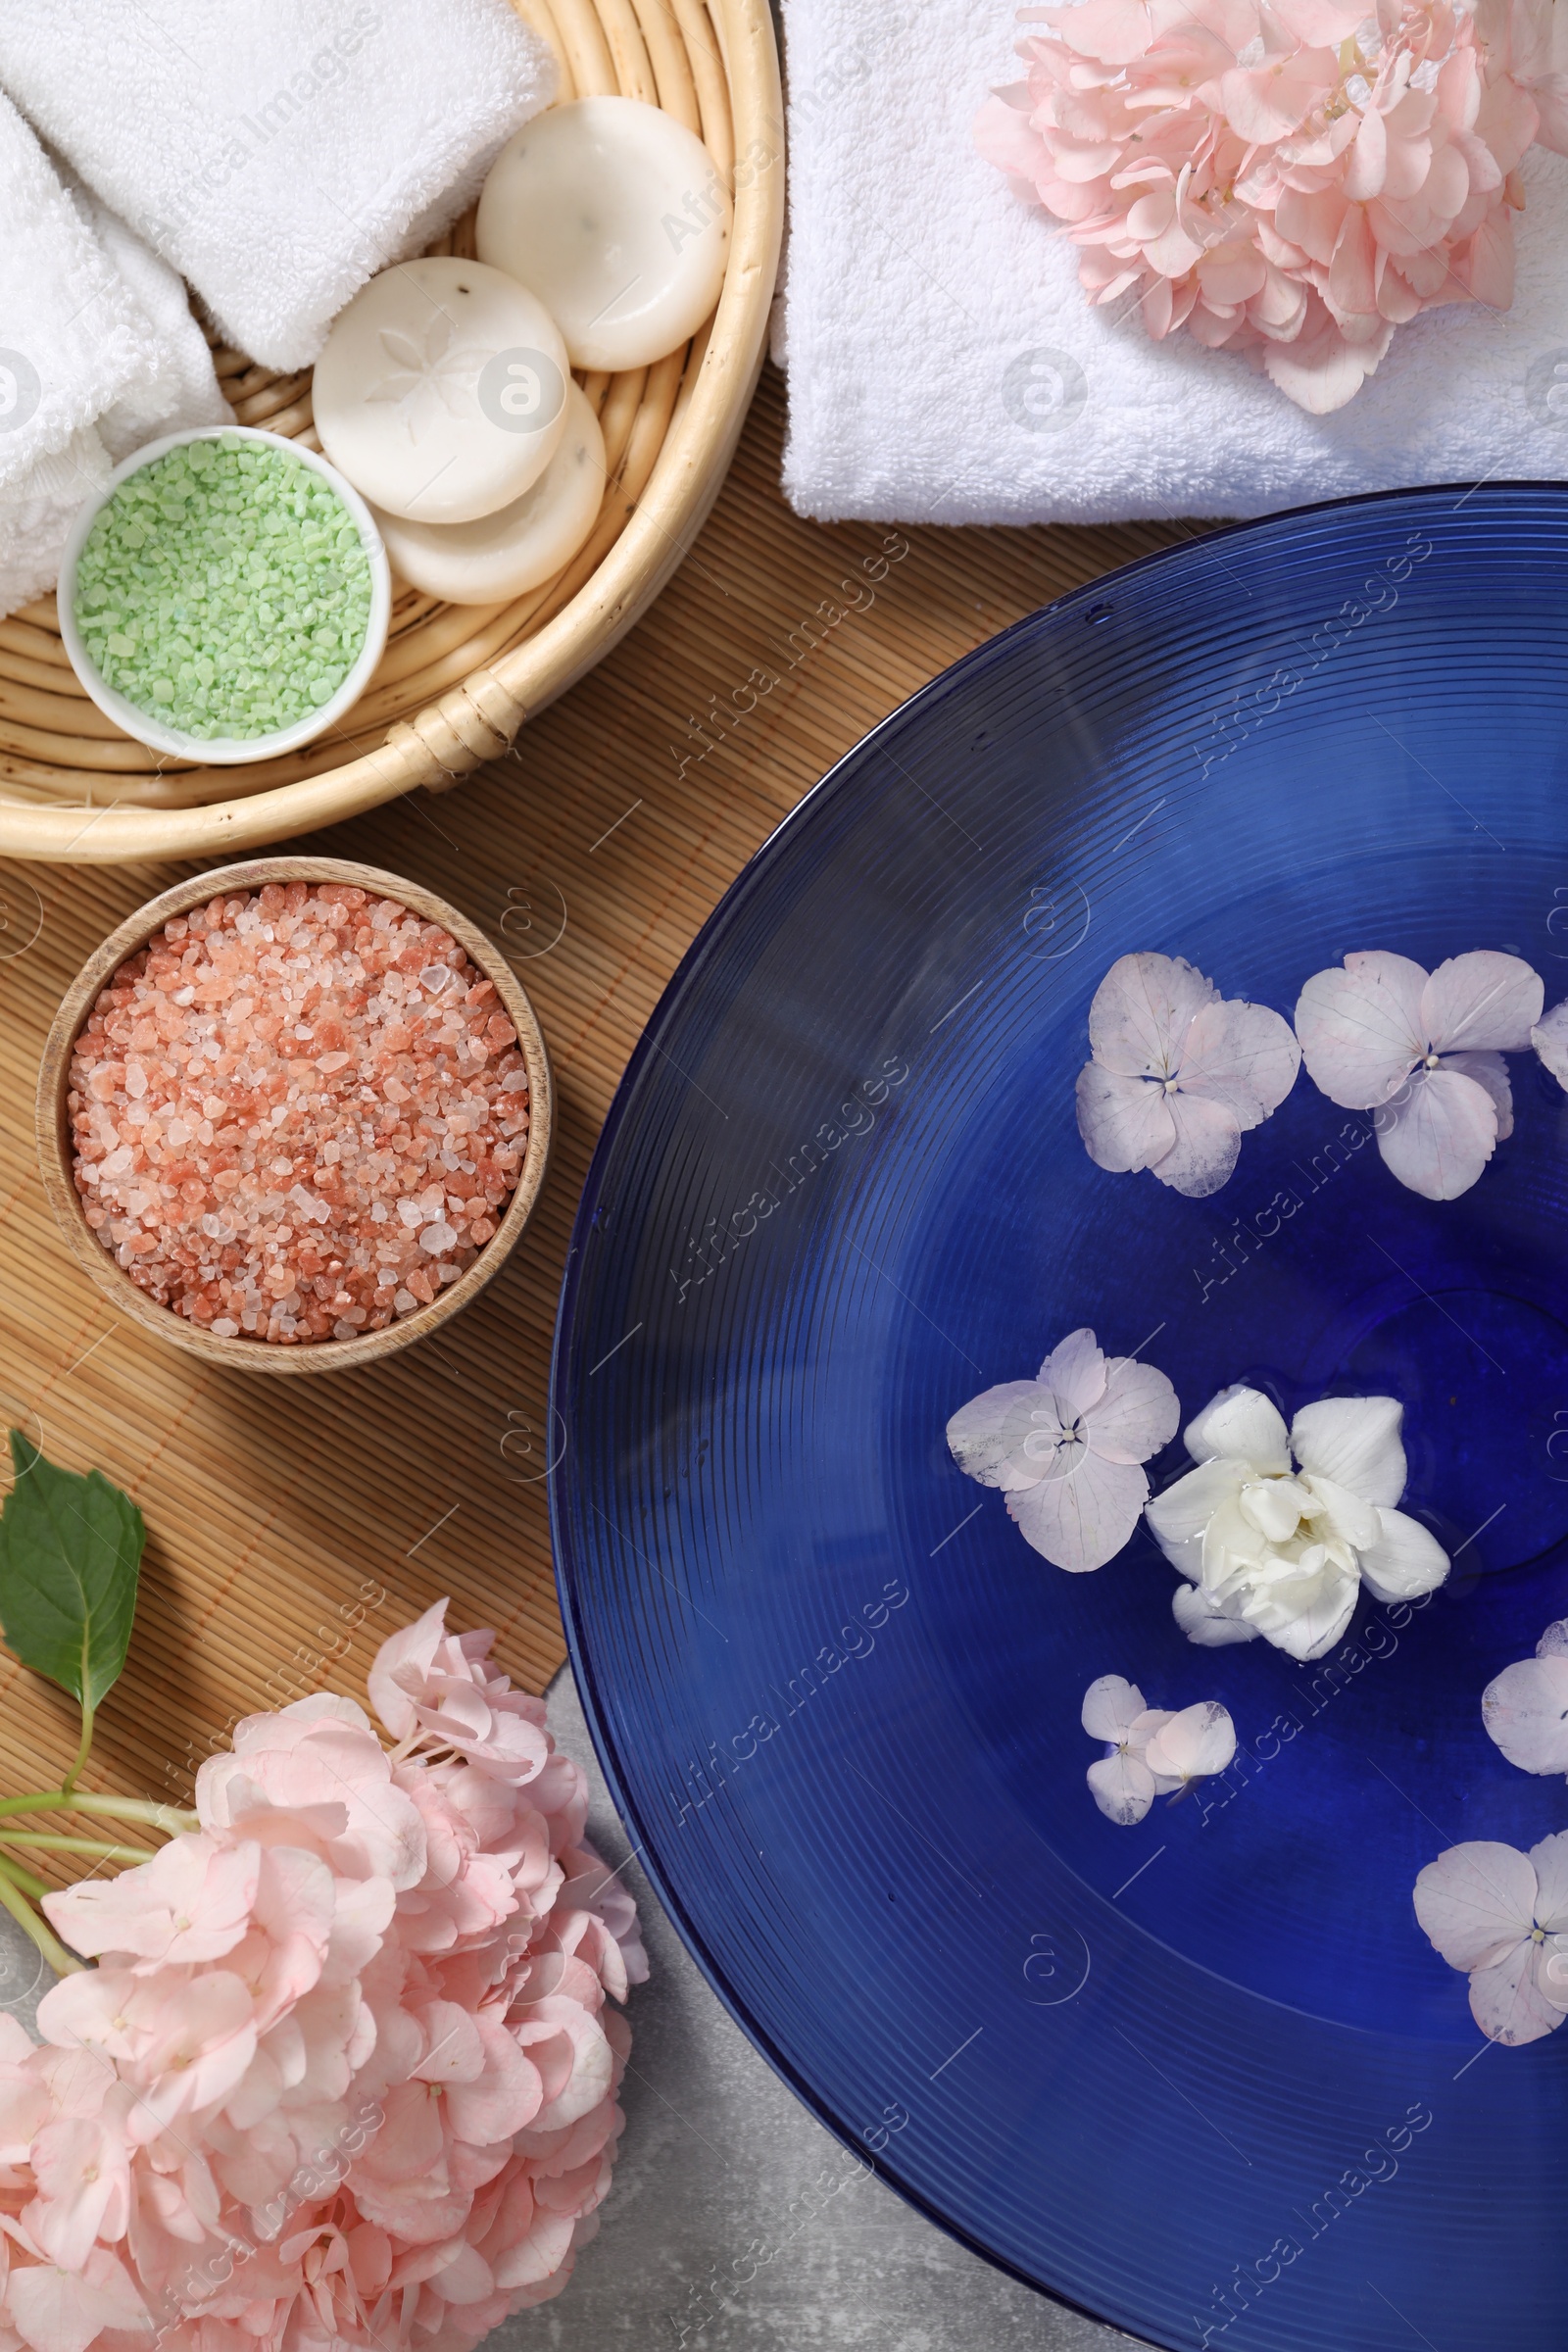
x,y
456,681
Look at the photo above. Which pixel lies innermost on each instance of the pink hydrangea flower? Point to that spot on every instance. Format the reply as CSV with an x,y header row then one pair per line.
x,y
1179,1071
1425,1052
1293,180
1149,1751
1502,1917
345,2076
440,1686
1066,1447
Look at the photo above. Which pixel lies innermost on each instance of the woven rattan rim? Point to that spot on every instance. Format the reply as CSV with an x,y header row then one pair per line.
x,y
456,681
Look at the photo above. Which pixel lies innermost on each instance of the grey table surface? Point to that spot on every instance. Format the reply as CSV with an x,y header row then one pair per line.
x,y
736,2217
736,2223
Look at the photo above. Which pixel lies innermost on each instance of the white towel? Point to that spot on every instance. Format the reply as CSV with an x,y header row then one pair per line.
x,y
100,353
276,152
945,366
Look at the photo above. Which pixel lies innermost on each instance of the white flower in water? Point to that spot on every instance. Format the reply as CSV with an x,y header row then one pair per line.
x,y
1377,1033
1279,1550
1178,1072
1149,1751
1525,1708
1067,1447
1502,1917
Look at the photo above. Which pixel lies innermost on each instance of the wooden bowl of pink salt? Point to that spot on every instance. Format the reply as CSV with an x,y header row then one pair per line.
x,y
294,1114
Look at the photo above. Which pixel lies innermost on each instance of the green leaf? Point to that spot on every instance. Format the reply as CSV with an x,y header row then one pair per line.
x,y
69,1549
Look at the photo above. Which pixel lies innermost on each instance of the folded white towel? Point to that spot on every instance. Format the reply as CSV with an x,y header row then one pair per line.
x,y
100,354
945,366
277,152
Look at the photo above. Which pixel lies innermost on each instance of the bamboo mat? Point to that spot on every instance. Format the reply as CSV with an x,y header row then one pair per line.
x,y
294,1524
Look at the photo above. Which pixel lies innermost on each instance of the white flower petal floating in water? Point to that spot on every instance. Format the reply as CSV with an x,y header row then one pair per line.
x,y
1425,1051
1149,1751
1550,1037
1195,1742
1066,1447
1525,1708
1502,1917
1178,1074
1280,1551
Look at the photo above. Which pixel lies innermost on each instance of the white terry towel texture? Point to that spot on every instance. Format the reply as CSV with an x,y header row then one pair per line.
x,y
277,153
945,366
98,353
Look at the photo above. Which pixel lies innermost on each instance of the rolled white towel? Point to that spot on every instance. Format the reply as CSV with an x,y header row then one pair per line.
x,y
100,354
277,152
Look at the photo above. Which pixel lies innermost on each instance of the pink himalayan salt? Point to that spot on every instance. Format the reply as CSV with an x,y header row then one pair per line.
x,y
298,1113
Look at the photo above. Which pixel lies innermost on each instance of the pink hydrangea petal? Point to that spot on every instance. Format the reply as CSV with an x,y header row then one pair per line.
x,y
1145,1005
1476,1902
1123,1788
1195,1742
1126,1123
1074,1372
1509,2000
1360,1027
1439,1134
1491,1072
1082,1521
190,1879
1550,1037
1320,24
407,1653
1209,1143
63,2311
1355,1441
1243,1056
1242,1425
1549,1861
1525,1709
1112,1705
1482,1002
1137,1413
1114,29
1405,1560
985,1435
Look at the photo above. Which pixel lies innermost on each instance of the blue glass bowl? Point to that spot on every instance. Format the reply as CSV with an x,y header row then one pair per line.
x,y
1205,2077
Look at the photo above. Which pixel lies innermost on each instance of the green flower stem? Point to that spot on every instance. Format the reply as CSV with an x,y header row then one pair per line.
x,y
169,1817
76,1846
75,1773
23,1879
64,1963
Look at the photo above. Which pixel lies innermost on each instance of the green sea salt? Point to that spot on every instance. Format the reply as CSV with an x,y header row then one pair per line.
x,y
223,590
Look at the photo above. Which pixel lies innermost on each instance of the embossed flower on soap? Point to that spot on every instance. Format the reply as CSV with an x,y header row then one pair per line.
x,y
1503,1918
1423,1051
1179,1073
1279,1546
1067,1448
428,375
1149,1751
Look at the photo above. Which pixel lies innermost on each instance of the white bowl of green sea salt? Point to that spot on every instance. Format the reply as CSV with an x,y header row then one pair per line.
x,y
226,597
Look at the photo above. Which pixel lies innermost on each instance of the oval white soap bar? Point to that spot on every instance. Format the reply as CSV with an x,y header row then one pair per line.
x,y
525,544
613,213
441,392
